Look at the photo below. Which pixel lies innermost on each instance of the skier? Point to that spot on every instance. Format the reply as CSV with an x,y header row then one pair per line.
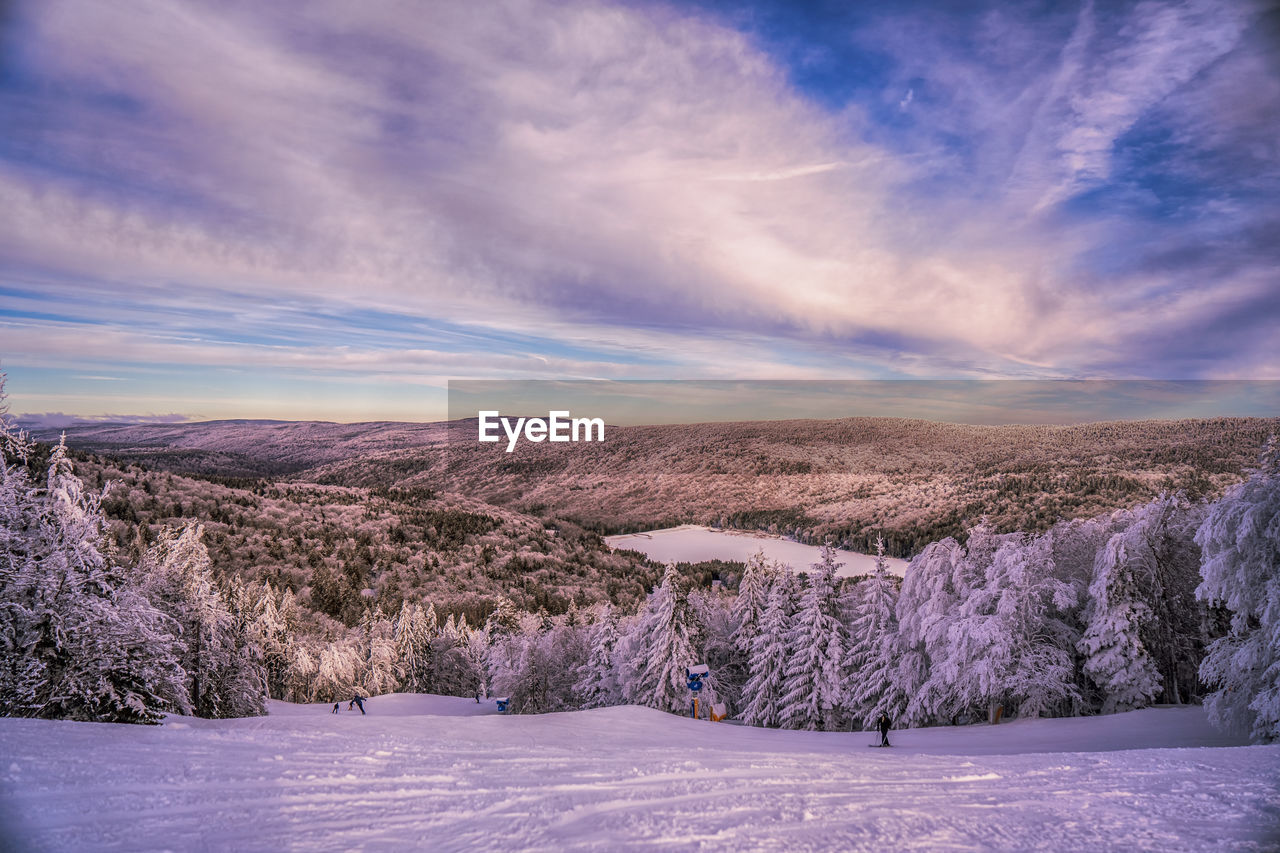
x,y
335,708
883,723
357,700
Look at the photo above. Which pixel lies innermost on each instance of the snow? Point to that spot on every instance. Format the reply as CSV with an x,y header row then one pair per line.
x,y
442,773
692,543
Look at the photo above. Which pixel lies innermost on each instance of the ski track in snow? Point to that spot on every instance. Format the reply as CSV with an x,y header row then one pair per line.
x,y
428,773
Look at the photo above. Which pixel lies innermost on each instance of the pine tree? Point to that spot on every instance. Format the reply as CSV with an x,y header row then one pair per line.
x,y
1140,640
1115,657
769,655
225,677
661,647
1008,644
271,632
76,638
1241,571
504,621
872,659
816,648
753,597
414,631
598,678
378,648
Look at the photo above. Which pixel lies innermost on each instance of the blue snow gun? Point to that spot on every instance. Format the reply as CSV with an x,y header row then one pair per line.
x,y
693,676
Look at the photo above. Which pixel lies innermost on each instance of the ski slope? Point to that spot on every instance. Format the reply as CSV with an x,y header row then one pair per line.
x,y
442,774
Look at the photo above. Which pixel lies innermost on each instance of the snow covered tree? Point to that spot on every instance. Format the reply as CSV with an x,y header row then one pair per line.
x,y
504,621
1007,646
598,676
753,597
76,638
937,581
1240,540
661,647
1141,639
415,629
474,653
337,673
1115,657
713,614
378,647
271,633
873,643
814,689
225,677
301,675
769,655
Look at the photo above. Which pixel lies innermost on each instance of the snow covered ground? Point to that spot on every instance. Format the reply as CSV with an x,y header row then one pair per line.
x,y
438,773
692,543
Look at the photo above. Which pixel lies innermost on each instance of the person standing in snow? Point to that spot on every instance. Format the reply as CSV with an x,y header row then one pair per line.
x,y
884,724
335,708
358,701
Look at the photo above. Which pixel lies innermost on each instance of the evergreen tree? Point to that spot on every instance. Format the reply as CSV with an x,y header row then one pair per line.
x,y
598,677
872,660
76,638
271,633
225,677
753,597
1241,548
1008,646
816,649
414,631
1140,642
661,647
769,655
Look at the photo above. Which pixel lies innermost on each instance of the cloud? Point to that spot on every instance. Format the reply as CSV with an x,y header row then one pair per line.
x,y
591,189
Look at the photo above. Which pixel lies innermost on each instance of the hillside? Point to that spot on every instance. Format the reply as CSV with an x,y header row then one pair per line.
x,y
915,481
247,448
341,548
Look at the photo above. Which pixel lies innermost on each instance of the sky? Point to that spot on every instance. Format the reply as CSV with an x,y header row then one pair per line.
x,y
329,210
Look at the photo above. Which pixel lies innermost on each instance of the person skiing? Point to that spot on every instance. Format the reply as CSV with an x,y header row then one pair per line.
x,y
358,701
335,708
883,724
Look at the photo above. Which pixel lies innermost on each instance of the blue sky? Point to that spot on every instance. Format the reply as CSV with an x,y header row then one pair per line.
x,y
330,209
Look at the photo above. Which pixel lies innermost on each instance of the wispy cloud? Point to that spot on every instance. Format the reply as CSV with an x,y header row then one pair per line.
x,y
586,189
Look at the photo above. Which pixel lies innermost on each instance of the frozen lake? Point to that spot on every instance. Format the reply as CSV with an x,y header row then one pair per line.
x,y
692,543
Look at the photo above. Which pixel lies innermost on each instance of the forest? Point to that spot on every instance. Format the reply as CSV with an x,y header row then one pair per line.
x,y
129,593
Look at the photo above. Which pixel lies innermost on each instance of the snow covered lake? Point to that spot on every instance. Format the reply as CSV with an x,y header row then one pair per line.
x,y
443,774
692,543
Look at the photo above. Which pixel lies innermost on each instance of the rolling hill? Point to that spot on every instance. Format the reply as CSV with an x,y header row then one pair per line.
x,y
847,480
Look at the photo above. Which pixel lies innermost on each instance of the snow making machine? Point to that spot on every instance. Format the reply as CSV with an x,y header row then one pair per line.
x,y
693,676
